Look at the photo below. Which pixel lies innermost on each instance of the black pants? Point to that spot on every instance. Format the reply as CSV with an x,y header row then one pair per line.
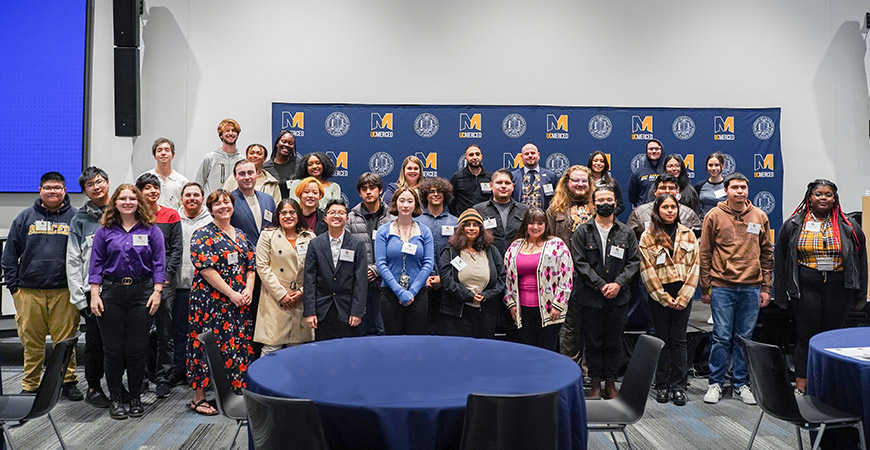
x,y
332,328
255,306
163,350
124,326
93,348
532,333
179,330
823,306
602,333
411,319
670,324
474,323
570,336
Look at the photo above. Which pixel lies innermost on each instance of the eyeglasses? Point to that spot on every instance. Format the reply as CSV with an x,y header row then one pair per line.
x,y
579,180
52,188
96,182
336,213
291,213
653,148
823,194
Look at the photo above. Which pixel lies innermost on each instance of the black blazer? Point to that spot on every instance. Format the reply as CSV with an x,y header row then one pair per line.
x,y
456,294
344,285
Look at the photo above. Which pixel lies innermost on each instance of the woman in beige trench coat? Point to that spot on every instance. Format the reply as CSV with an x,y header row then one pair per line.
x,y
280,264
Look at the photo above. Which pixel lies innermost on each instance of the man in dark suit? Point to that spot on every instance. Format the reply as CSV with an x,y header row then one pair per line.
x,y
502,215
253,209
334,294
535,185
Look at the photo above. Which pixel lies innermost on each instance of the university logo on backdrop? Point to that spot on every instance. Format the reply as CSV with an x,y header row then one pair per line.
x,y
558,163
430,163
641,128
340,161
683,128
723,128
293,122
513,125
337,124
763,128
381,164
512,160
469,126
600,126
426,125
763,166
557,126
382,125
689,160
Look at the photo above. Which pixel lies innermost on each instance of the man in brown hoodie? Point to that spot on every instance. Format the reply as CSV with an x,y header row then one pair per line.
x,y
736,268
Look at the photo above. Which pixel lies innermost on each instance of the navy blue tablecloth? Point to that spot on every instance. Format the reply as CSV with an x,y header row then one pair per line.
x,y
409,392
840,381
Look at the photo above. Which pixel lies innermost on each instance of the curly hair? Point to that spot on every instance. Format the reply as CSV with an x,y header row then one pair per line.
x,y
325,162
564,198
441,184
459,241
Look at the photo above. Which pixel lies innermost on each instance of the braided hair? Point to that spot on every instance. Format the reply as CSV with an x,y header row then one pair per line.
x,y
837,212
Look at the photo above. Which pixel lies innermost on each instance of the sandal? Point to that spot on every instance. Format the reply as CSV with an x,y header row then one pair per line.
x,y
202,408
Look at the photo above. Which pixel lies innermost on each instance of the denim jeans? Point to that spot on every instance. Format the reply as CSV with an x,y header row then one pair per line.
x,y
735,311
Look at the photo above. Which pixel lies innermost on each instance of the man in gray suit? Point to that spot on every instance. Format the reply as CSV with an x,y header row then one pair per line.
x,y
334,294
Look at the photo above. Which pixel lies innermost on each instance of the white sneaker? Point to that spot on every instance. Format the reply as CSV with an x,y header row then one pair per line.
x,y
745,394
714,393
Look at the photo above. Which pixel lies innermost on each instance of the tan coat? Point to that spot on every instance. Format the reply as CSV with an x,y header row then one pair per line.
x,y
279,265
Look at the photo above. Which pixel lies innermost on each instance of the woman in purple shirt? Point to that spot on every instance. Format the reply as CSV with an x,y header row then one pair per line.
x,y
126,277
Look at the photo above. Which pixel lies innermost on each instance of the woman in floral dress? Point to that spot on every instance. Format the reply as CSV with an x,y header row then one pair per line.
x,y
220,298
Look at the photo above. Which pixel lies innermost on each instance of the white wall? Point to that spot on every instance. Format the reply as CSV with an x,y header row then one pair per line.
x,y
204,60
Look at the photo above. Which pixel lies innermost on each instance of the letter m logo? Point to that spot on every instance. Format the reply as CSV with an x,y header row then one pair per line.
x,y
723,125
763,162
639,125
339,159
380,122
430,161
467,122
512,161
292,120
557,123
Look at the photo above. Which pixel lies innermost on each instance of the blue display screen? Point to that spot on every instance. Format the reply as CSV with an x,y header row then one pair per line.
x,y
42,91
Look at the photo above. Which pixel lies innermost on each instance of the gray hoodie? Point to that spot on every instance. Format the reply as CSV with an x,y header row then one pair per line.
x,y
83,226
184,276
214,169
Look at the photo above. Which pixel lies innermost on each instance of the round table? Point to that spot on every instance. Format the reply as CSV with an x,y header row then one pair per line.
x,y
840,381
409,392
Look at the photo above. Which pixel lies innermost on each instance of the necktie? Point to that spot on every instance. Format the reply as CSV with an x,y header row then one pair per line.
x,y
531,189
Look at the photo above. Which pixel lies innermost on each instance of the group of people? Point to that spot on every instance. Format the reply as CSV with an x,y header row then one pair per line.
x,y
262,251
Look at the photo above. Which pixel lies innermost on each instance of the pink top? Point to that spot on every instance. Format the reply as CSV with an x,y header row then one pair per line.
x,y
527,272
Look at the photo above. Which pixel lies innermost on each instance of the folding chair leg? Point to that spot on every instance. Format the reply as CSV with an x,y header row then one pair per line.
x,y
755,431
236,436
627,441
800,440
8,437
56,431
860,427
819,437
613,437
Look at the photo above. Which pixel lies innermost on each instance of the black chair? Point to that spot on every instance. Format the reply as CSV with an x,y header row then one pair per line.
x,y
284,423
774,393
21,408
628,407
511,422
230,404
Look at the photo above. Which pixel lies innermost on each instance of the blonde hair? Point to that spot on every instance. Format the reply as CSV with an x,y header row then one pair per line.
x,y
304,184
563,199
410,159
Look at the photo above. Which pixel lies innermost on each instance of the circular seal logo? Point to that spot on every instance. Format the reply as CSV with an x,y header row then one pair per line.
x,y
764,201
730,165
558,163
763,128
381,163
684,127
345,199
637,161
337,124
513,125
426,125
462,162
600,126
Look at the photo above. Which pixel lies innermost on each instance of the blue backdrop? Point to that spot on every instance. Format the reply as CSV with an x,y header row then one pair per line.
x,y
360,138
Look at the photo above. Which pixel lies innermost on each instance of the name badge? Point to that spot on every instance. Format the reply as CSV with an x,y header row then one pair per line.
x,y
825,264
484,187
289,184
720,193
661,259
446,230
267,215
548,189
458,263
617,252
813,226
409,248
89,240
173,200
753,228
41,225
646,225
302,249
489,224
233,258
140,240
345,255
549,260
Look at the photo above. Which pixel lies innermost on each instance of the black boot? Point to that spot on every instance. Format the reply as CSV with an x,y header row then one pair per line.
x,y
136,409
116,408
